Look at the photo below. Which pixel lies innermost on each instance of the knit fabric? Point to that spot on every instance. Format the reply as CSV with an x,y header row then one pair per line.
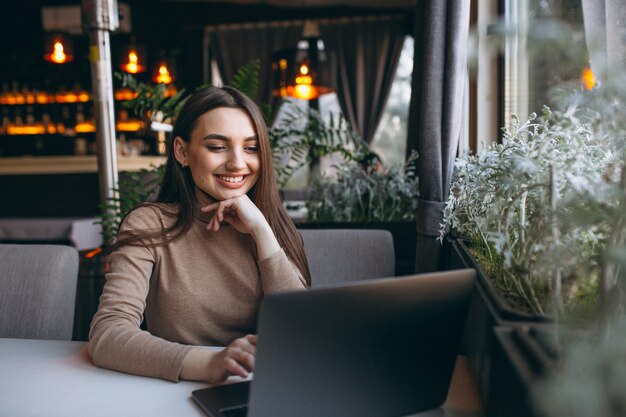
x,y
203,289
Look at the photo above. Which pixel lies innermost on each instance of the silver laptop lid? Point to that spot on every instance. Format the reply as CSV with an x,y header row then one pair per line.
x,y
382,347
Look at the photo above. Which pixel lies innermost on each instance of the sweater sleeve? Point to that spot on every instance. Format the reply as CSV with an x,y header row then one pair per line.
x,y
115,338
278,273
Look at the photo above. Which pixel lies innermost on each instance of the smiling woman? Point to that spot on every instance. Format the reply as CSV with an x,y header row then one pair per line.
x,y
197,262
222,153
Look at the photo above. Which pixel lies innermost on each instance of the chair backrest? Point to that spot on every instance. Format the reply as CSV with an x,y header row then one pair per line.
x,y
341,255
37,291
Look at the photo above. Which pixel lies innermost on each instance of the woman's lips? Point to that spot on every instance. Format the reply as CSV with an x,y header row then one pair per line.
x,y
231,181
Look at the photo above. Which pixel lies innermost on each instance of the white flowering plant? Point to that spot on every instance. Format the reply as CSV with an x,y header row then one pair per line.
x,y
515,203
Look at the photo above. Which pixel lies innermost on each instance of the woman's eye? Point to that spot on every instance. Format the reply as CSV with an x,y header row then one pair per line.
x,y
216,148
253,148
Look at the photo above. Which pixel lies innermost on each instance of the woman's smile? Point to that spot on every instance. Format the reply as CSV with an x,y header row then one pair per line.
x,y
232,181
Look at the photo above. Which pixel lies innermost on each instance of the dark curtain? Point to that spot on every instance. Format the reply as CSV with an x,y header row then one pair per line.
x,y
605,34
367,53
234,46
439,73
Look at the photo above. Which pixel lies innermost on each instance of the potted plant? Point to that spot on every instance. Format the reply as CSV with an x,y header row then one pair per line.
x,y
537,214
368,195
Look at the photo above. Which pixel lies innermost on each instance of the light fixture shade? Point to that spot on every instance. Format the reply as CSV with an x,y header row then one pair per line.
x,y
58,48
164,72
305,72
133,59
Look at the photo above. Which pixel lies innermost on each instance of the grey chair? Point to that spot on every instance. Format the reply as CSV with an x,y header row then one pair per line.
x,y
37,291
341,255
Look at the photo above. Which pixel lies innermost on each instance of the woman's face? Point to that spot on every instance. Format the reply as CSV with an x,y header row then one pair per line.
x,y
222,154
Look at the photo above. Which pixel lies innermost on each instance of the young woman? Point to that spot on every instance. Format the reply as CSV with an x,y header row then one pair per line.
x,y
197,261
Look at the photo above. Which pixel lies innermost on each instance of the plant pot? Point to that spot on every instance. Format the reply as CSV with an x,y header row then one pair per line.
x,y
404,239
503,312
487,311
519,361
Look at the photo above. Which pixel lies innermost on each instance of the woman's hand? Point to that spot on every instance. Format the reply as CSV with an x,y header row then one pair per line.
x,y
235,359
245,217
215,367
240,212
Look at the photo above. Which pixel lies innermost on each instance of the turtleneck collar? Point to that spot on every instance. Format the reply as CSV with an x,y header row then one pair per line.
x,y
202,199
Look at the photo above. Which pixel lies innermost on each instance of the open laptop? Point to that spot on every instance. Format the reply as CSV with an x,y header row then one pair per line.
x,y
384,347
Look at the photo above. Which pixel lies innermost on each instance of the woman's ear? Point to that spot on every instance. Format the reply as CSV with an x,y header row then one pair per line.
x,y
180,151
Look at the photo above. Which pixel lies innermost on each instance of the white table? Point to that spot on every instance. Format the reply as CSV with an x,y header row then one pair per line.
x,y
58,378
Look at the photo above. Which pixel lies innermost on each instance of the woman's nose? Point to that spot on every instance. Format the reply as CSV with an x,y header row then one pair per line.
x,y
236,161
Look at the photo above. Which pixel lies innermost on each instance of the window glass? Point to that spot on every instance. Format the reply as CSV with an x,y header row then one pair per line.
x,y
391,136
547,51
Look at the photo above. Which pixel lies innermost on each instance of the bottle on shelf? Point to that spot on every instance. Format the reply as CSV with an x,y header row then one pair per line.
x,y
82,96
29,97
49,126
18,98
83,125
4,94
6,120
66,124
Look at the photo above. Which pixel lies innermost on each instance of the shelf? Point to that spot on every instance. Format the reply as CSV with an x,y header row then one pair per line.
x,y
39,165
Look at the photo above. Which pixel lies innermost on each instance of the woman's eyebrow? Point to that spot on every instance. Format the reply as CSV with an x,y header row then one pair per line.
x,y
217,136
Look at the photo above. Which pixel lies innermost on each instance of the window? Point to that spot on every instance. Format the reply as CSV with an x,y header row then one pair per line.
x,y
546,51
523,50
391,136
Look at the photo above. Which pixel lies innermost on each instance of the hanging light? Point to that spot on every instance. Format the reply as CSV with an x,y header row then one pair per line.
x,y
305,72
58,48
133,59
164,72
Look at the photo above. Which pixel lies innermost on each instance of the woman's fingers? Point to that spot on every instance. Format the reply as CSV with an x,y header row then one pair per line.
x,y
238,357
251,338
209,208
243,359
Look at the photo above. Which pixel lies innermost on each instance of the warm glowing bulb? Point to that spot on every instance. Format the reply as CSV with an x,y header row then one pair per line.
x,y
163,76
588,79
303,91
304,70
58,56
282,64
133,66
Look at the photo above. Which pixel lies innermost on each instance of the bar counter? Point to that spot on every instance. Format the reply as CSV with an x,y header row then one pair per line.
x,y
37,165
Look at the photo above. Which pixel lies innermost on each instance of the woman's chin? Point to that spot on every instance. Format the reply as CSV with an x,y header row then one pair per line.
x,y
227,195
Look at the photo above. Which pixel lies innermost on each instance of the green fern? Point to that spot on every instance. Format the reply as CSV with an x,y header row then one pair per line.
x,y
133,189
246,80
151,99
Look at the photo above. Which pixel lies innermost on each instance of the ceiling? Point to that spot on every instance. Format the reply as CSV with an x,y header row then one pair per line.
x,y
379,4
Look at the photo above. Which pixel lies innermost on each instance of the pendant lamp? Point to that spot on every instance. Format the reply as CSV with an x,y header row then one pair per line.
x,y
164,72
133,59
58,48
306,71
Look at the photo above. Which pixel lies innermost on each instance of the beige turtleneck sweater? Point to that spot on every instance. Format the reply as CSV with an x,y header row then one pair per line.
x,y
203,289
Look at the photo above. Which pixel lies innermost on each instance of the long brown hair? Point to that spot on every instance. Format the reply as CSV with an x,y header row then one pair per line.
x,y
177,186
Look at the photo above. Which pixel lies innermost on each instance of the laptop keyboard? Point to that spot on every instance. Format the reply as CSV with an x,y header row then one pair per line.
x,y
240,411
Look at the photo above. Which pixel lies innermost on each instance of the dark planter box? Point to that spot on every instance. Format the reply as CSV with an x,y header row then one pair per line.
x,y
486,312
404,238
520,359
